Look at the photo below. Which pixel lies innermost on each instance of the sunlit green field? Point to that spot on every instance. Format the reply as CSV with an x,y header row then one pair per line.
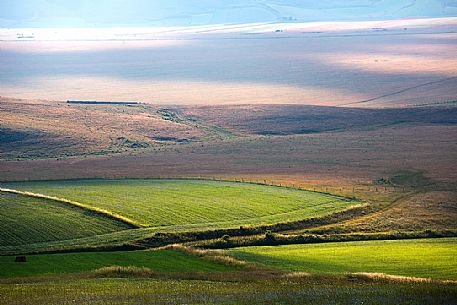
x,y
156,260
427,258
25,220
182,202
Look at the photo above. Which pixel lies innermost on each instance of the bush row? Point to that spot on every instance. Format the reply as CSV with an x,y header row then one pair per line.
x,y
274,239
163,239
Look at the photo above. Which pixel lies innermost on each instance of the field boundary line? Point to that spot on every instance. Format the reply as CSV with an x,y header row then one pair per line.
x,y
399,91
96,210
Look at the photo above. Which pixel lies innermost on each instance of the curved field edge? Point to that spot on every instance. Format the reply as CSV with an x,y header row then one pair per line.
x,y
210,235
25,220
96,210
144,238
421,258
172,203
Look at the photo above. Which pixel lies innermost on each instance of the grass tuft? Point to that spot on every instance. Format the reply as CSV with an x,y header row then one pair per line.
x,y
383,277
297,275
124,271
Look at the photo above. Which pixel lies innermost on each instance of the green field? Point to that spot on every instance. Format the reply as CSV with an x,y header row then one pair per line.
x,y
426,258
25,220
156,260
29,224
169,291
169,203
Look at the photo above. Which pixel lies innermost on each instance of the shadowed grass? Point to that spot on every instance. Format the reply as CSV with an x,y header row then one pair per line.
x,y
25,220
160,261
103,212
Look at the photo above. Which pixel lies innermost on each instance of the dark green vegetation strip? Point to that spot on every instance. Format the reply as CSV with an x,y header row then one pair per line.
x,y
280,291
437,104
172,204
425,258
270,238
25,220
156,260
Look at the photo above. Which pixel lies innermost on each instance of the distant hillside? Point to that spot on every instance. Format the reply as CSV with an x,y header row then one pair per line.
x,y
61,13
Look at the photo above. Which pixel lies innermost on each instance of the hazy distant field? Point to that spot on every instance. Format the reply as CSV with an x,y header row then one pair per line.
x,y
242,65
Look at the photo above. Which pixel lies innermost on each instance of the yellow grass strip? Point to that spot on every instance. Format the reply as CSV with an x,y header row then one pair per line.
x,y
217,256
394,278
100,211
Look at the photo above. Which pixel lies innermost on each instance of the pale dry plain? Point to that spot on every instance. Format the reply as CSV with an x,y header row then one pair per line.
x,y
378,64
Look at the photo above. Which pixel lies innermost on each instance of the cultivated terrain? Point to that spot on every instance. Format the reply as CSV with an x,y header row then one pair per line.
x,y
313,164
